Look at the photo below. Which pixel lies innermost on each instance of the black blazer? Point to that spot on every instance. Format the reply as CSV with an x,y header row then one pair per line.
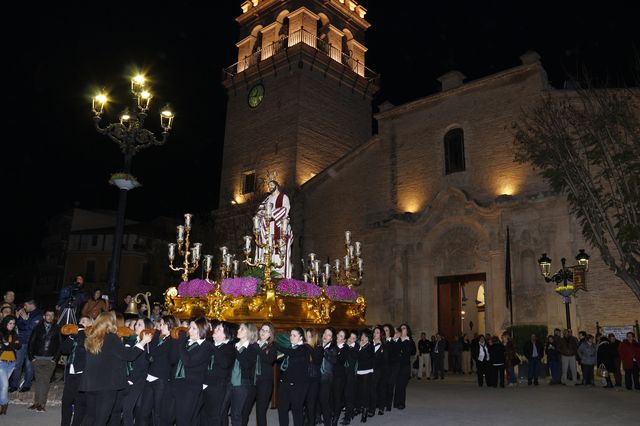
x,y
365,357
194,361
220,364
341,359
352,358
297,370
159,351
329,357
248,359
393,351
74,344
380,358
405,347
138,369
317,353
107,370
268,355
42,343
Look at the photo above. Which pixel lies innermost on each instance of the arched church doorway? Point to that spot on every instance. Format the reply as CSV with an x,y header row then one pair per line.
x,y
458,309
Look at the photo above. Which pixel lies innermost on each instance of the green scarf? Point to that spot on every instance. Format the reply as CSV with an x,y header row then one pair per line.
x,y
236,374
180,368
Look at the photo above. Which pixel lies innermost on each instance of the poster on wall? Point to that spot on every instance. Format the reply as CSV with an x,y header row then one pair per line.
x,y
619,331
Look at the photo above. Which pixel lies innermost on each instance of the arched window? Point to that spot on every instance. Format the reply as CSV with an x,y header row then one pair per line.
x,y
454,151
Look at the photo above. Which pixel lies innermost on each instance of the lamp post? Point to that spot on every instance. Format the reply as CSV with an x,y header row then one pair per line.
x,y
132,137
575,274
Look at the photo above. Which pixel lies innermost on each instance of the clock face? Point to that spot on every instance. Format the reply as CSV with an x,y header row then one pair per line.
x,y
255,95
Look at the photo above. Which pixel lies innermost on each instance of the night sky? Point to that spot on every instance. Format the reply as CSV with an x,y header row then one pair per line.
x,y
61,54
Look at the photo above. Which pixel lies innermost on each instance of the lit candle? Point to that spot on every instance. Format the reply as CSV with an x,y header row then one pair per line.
x,y
247,243
358,248
208,262
187,220
312,257
227,260
236,266
196,250
256,223
347,237
284,227
337,265
360,264
172,251
305,277
327,269
347,262
223,250
316,266
180,229
351,251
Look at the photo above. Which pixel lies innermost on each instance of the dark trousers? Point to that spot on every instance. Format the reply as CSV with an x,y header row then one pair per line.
x,y
533,370
497,376
116,412
291,397
213,402
616,372
152,401
238,403
74,402
99,407
324,399
631,375
181,402
264,390
131,403
391,385
350,393
43,370
437,364
482,371
338,392
376,385
311,400
402,380
365,402
555,368
587,374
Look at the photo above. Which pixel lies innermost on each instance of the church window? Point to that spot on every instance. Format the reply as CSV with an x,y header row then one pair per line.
x,y
454,151
248,182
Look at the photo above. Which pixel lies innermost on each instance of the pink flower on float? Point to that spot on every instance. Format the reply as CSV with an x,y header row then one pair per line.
x,y
238,287
292,287
194,288
340,293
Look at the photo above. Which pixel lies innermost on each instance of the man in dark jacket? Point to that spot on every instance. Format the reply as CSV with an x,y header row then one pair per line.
x,y
44,350
72,296
568,348
424,356
28,317
534,352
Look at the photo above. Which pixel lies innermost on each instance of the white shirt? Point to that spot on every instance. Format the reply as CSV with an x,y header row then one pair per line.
x,y
483,353
242,345
221,343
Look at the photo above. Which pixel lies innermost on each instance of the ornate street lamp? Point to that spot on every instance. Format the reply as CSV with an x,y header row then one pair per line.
x,y
569,279
129,133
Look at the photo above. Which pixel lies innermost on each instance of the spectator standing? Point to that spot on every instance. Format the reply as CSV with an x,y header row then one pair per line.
x,y
9,345
44,351
95,306
496,355
606,357
480,354
28,317
6,310
568,348
510,359
72,296
588,354
9,298
616,359
424,356
534,352
456,354
629,353
466,355
437,357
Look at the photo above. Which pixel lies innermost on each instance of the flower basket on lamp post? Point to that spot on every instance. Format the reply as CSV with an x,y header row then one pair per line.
x,y
124,181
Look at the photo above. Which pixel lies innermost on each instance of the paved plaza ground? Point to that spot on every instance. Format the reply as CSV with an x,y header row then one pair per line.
x,y
457,400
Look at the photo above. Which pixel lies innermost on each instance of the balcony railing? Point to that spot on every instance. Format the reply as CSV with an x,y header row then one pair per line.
x,y
297,37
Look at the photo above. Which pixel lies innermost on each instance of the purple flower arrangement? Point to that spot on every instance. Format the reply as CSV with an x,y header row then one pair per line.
x,y
194,288
338,292
238,287
291,287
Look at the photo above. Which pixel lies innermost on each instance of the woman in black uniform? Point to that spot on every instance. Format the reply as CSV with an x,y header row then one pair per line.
x,y
351,385
406,347
311,400
364,373
329,356
218,375
379,368
243,375
136,376
159,371
264,382
191,357
293,378
106,367
339,375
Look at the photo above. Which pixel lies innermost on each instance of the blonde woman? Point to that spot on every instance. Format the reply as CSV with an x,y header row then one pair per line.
x,y
264,382
243,376
106,367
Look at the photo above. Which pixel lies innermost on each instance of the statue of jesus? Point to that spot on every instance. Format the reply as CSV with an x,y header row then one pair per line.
x,y
276,206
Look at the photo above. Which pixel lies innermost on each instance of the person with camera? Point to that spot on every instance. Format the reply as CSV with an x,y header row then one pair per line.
x,y
72,296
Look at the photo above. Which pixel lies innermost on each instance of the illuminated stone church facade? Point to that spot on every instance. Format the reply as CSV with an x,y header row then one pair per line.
x,y
430,195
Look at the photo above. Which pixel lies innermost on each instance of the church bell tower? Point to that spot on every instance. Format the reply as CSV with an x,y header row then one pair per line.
x,y
299,95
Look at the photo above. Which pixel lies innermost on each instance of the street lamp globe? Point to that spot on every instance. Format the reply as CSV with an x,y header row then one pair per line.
x,y
583,259
545,265
99,102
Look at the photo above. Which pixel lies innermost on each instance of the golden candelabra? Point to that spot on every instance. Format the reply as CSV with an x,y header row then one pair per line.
x,y
219,302
192,262
350,273
268,301
321,306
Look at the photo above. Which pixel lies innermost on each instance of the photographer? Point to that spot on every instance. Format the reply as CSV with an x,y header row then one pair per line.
x,y
72,296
